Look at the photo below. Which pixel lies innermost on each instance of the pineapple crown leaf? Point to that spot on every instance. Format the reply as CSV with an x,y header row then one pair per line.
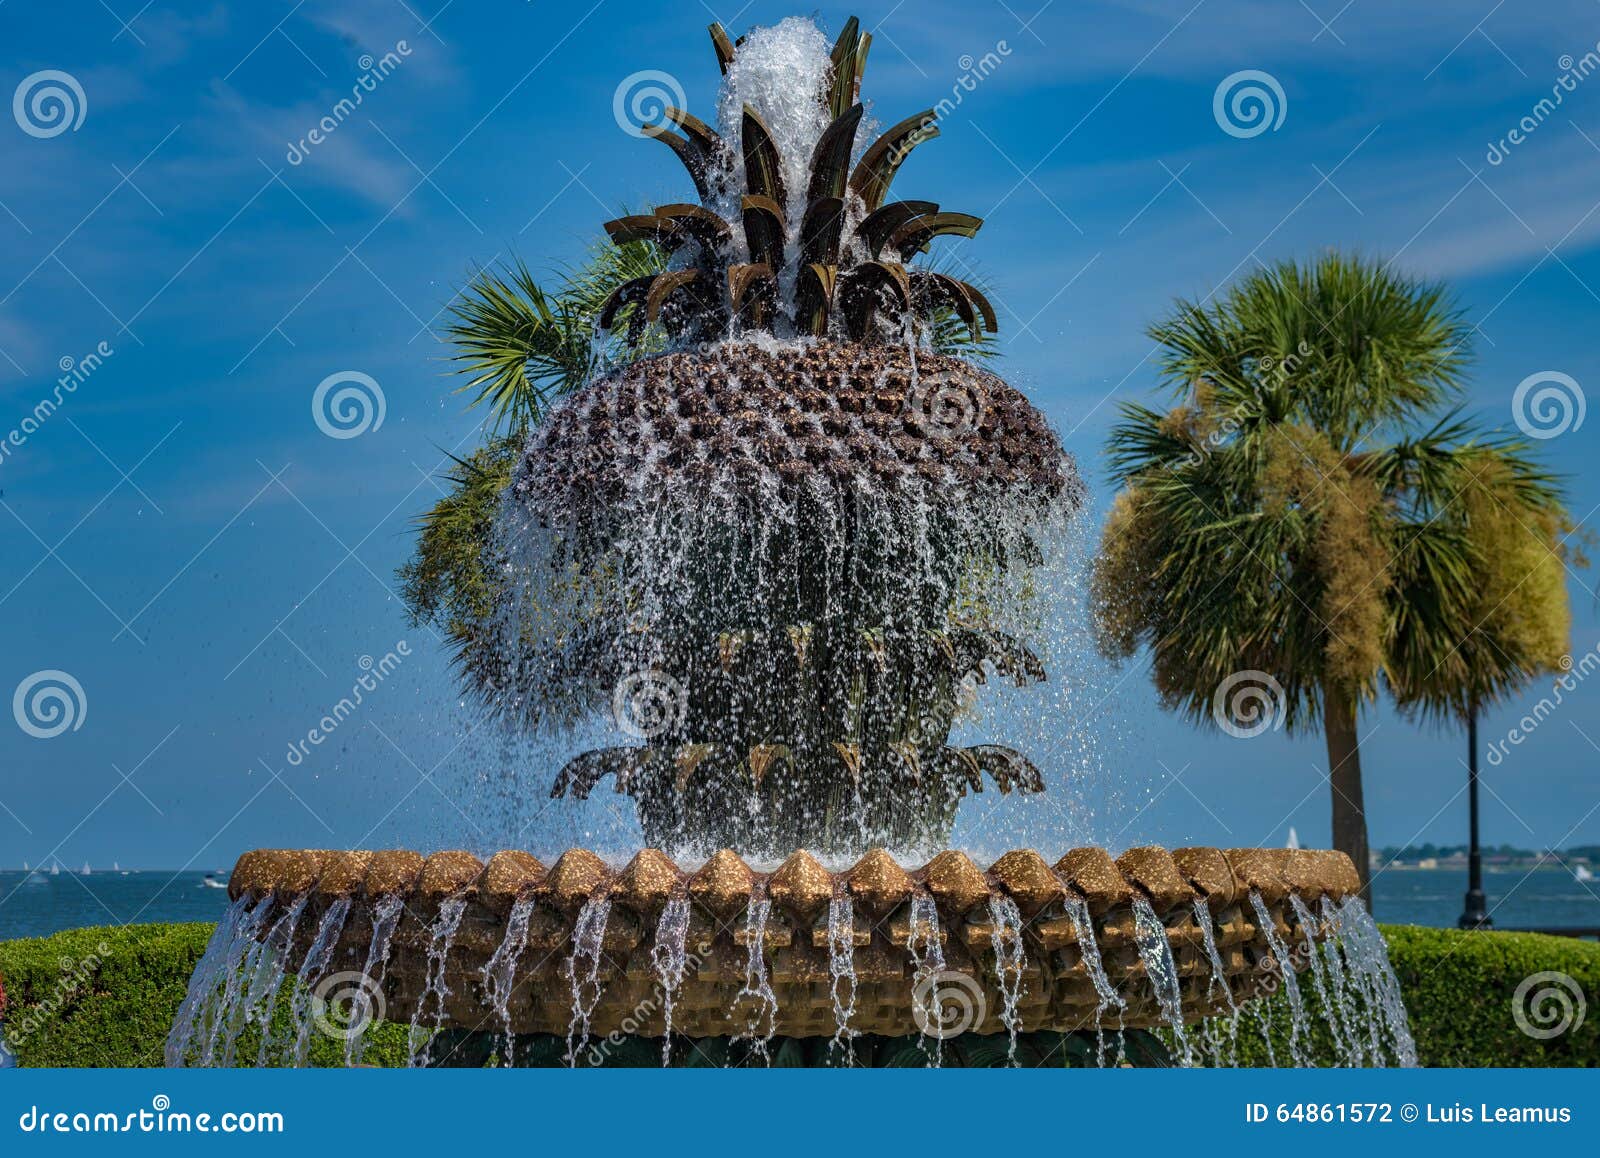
x,y
861,283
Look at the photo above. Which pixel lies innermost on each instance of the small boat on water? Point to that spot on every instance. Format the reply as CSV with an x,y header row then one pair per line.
x,y
1582,874
211,882
86,872
1294,838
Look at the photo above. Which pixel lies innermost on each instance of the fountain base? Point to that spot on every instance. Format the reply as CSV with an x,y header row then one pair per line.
x,y
512,947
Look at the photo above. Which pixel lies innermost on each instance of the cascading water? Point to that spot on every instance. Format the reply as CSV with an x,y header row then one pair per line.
x,y
925,946
1005,939
1331,1011
588,943
670,956
1089,953
763,1017
500,971
1298,1024
311,972
1339,981
1367,959
219,1025
203,982
385,919
1218,980
842,974
261,999
442,936
1155,952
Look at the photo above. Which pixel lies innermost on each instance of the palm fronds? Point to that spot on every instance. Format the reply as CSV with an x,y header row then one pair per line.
x,y
521,347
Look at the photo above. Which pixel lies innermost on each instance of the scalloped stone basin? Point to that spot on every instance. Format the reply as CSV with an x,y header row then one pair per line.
x,y
588,926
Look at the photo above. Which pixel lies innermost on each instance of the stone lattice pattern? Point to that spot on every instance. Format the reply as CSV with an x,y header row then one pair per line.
x,y
835,411
1056,989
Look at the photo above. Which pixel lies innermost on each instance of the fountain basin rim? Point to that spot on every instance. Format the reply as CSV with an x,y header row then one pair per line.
x,y
724,883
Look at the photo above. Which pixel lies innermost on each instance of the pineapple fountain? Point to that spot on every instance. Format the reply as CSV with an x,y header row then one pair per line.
x,y
782,553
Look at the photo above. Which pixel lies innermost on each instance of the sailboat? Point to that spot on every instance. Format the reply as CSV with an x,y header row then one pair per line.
x,y
55,869
1582,874
1294,838
85,871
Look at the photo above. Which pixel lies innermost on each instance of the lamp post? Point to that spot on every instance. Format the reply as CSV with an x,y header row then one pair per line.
x,y
1475,915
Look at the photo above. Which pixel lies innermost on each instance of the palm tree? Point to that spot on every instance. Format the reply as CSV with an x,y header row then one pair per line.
x,y
1284,522
1515,626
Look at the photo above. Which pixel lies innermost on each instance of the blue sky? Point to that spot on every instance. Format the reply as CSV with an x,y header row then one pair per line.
x,y
184,541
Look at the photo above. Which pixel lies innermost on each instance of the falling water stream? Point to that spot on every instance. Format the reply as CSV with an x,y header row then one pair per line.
x,y
1218,980
757,984
1089,952
588,942
1155,952
311,973
925,946
1298,1025
441,936
500,971
1005,938
670,956
842,974
385,919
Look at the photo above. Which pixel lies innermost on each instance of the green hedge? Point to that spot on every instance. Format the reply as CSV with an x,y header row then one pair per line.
x,y
106,997
1458,989
97,997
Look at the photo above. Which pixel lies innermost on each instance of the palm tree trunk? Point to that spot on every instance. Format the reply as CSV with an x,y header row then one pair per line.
x,y
1344,778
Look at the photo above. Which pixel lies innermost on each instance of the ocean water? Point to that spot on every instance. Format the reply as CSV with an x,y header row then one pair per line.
x,y
34,907
1518,898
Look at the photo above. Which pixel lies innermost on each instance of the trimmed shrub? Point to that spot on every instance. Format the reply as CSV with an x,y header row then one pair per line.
x,y
1459,989
107,997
